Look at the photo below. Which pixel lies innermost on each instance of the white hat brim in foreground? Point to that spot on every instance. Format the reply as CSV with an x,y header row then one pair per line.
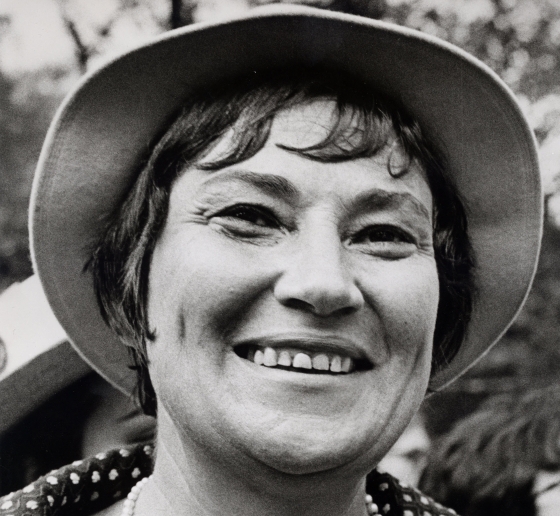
x,y
39,360
105,125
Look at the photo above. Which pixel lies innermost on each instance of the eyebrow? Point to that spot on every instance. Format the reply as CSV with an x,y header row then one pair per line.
x,y
268,183
274,185
383,199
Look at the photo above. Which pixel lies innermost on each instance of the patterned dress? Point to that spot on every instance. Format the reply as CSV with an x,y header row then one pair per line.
x,y
86,487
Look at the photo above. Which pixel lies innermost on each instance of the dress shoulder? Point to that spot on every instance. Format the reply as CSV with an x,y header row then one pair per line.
x,y
89,486
394,498
83,487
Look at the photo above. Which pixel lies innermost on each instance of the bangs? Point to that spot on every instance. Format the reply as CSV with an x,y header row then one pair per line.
x,y
362,123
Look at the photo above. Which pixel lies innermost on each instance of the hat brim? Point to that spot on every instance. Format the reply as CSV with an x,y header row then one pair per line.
x,y
104,127
40,361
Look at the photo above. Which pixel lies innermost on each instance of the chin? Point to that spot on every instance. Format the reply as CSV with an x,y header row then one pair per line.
x,y
302,461
306,449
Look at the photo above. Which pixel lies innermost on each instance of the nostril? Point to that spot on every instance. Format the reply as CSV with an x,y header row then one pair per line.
x,y
320,309
347,310
336,307
298,304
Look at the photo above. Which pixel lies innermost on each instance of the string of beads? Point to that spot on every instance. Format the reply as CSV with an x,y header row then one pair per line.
x,y
130,502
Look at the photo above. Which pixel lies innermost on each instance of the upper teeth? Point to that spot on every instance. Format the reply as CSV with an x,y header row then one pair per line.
x,y
270,357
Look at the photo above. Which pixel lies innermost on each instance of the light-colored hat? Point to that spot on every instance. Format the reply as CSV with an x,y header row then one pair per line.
x,y
99,134
36,359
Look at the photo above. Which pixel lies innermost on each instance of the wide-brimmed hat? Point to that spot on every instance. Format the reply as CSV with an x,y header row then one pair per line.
x,y
36,359
104,127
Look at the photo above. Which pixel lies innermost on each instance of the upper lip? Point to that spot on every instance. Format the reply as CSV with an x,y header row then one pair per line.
x,y
312,343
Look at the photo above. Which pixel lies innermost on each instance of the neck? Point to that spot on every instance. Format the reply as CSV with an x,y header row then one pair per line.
x,y
189,480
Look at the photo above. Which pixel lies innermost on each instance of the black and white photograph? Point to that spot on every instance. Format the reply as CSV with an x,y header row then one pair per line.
x,y
271,258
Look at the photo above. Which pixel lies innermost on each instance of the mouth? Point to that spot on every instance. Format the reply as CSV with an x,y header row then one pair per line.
x,y
292,358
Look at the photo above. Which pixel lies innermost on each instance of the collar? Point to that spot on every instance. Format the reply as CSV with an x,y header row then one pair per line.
x,y
90,485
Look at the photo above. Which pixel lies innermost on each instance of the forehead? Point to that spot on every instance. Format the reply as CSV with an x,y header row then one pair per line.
x,y
309,124
304,125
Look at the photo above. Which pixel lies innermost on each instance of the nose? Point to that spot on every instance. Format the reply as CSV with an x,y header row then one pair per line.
x,y
316,277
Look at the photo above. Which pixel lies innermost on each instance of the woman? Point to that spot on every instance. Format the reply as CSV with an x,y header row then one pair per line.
x,y
288,259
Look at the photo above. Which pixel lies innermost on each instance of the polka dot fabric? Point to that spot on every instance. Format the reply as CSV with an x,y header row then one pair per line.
x,y
83,487
393,498
88,486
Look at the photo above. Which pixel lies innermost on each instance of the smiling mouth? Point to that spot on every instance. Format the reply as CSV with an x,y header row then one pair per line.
x,y
290,359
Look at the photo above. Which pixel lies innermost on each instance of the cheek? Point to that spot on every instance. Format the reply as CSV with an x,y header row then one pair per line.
x,y
406,296
199,286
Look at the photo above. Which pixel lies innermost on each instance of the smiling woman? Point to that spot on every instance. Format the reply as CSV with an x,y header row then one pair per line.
x,y
317,125
319,273
315,237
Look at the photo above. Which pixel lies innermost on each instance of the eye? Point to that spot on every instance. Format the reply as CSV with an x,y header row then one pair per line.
x,y
388,242
255,215
248,221
387,234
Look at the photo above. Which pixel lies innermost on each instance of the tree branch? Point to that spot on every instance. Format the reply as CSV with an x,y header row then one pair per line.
x,y
82,51
181,13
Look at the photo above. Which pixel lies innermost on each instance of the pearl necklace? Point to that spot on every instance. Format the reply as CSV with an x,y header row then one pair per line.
x,y
130,502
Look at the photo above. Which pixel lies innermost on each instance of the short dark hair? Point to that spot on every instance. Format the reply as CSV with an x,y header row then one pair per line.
x,y
364,123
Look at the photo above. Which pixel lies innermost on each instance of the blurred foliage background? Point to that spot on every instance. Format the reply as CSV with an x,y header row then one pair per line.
x,y
46,45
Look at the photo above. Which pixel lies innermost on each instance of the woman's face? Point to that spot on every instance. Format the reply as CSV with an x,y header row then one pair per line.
x,y
327,270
